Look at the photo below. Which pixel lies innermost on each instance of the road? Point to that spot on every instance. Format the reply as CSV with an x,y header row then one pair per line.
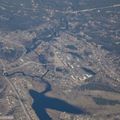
x,y
93,9
16,92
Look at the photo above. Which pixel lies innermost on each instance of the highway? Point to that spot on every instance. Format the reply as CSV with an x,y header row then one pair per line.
x,y
93,9
16,92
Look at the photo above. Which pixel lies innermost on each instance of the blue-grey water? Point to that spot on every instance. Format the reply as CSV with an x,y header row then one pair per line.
x,y
41,102
14,22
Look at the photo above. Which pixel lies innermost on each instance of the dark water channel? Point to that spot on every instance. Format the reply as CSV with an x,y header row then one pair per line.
x,y
41,101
